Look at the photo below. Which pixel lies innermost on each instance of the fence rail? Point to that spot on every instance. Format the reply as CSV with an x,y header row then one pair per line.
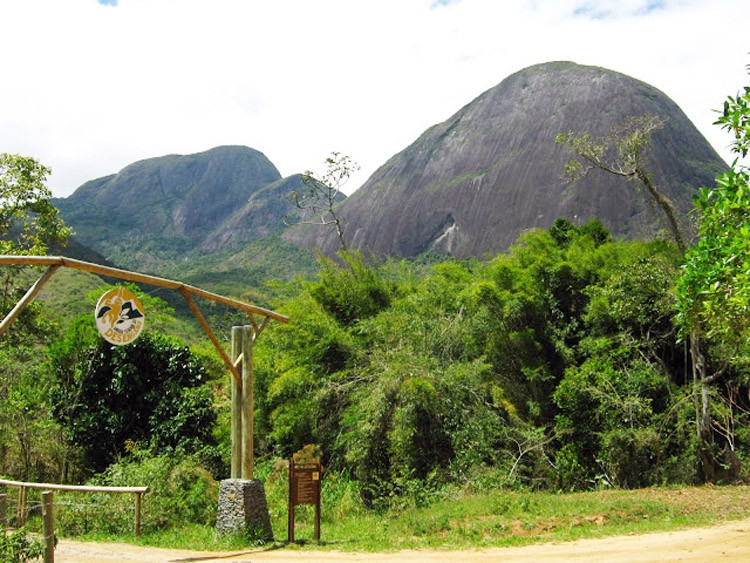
x,y
22,509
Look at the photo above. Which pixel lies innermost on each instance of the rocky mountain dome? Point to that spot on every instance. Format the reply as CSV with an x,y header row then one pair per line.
x,y
471,185
159,210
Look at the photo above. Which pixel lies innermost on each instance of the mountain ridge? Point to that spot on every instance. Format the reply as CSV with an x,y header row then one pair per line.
x,y
156,210
468,186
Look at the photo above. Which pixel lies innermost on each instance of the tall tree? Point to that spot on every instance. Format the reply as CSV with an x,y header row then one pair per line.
x,y
714,289
29,223
318,201
150,392
624,153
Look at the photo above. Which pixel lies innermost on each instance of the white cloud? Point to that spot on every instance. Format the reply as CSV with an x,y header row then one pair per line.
x,y
89,88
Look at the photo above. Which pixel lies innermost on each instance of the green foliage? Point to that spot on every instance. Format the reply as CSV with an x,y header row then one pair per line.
x,y
713,296
555,364
29,223
19,547
181,491
735,118
618,416
352,292
714,289
148,391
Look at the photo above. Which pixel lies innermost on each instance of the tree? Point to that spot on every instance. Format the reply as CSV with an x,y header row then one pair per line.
x,y
318,201
150,392
714,288
623,153
29,223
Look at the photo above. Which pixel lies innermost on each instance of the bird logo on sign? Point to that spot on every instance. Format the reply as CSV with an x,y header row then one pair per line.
x,y
119,316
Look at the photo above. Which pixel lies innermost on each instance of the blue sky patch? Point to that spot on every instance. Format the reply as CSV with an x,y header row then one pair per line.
x,y
592,11
439,3
589,11
107,2
651,6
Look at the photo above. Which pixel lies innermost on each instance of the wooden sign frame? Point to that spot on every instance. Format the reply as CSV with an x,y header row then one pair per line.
x,y
304,488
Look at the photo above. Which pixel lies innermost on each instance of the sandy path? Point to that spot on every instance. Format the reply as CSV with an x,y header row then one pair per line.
x,y
726,542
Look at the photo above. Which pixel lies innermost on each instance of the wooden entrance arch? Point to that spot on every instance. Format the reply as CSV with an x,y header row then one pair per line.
x,y
240,366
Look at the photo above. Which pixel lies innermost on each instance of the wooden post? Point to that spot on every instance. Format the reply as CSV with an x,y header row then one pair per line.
x,y
49,526
236,470
292,503
137,520
248,458
3,513
23,494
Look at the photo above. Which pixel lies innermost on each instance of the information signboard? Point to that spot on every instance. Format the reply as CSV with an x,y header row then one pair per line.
x,y
304,488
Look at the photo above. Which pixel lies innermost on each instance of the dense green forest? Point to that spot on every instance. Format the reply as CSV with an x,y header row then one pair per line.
x,y
572,361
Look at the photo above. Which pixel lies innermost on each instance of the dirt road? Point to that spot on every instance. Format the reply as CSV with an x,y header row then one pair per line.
x,y
726,542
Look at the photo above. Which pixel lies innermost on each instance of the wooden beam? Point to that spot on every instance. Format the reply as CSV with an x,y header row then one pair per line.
x,y
79,488
207,329
28,298
139,278
259,329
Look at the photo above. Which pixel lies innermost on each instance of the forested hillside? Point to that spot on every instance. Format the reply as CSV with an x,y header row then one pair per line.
x,y
555,365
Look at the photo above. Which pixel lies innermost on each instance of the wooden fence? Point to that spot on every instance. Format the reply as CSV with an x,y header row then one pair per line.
x,y
22,510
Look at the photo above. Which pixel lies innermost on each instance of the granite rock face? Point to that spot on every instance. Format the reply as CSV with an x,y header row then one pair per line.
x,y
471,185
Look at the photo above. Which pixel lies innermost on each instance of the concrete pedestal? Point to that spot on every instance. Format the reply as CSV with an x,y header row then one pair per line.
x,y
243,509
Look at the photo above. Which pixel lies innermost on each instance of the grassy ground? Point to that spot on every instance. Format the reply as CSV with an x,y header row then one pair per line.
x,y
502,518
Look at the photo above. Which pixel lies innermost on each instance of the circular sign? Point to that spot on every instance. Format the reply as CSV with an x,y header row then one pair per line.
x,y
119,316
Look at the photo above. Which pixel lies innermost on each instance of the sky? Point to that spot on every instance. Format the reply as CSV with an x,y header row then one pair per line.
x,y
90,86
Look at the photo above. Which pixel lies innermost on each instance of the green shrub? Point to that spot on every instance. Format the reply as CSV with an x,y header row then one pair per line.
x,y
19,547
180,492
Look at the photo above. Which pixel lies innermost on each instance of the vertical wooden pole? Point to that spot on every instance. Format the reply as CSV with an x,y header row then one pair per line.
x,y
137,518
236,470
3,513
292,500
23,493
316,528
49,527
248,459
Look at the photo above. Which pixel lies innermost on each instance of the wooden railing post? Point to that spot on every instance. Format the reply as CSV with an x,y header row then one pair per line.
x,y
21,513
137,521
48,517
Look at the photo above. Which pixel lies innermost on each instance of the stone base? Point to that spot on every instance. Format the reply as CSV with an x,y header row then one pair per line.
x,y
243,509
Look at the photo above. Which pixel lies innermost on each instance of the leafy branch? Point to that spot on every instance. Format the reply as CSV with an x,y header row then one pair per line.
x,y
623,154
321,195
